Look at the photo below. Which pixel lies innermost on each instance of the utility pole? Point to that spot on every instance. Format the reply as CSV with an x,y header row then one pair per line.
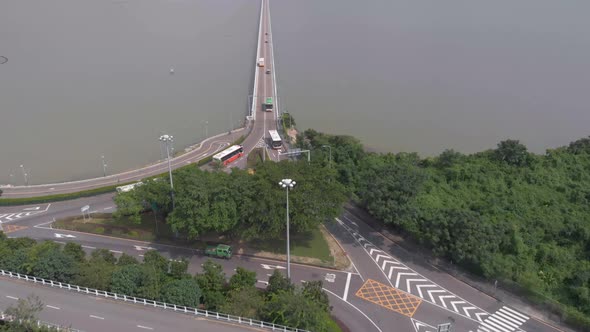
x,y
25,175
288,184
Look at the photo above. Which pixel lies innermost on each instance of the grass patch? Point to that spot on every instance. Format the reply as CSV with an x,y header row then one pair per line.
x,y
311,244
310,247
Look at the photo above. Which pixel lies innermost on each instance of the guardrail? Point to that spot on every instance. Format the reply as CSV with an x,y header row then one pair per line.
x,y
39,323
155,304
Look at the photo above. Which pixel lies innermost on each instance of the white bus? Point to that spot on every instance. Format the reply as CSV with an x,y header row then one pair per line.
x,y
129,187
228,155
275,139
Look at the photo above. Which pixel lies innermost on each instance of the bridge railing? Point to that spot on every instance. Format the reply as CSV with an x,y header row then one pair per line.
x,y
152,303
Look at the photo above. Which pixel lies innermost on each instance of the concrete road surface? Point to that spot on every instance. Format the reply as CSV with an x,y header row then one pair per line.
x,y
89,313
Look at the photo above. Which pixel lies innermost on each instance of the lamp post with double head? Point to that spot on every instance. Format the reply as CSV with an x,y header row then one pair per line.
x,y
288,184
25,175
167,140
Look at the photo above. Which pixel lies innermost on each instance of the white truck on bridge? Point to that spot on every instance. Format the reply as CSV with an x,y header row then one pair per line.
x,y
260,62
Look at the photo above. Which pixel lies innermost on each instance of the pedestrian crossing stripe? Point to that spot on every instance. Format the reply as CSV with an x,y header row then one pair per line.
x,y
503,320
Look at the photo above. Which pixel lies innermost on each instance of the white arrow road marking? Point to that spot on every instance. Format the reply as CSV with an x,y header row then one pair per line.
x,y
272,267
263,282
399,275
143,248
445,297
63,235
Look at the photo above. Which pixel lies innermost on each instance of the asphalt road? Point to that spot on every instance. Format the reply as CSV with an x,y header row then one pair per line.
x,y
89,313
417,296
266,87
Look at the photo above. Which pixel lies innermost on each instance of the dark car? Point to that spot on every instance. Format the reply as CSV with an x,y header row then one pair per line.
x,y
268,71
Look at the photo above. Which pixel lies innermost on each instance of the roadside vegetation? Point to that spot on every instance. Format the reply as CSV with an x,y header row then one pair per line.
x,y
504,214
157,278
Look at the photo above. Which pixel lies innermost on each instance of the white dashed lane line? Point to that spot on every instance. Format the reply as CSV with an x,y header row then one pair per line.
x,y
97,317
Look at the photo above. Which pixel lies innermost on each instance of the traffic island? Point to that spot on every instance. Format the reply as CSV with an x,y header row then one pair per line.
x,y
316,247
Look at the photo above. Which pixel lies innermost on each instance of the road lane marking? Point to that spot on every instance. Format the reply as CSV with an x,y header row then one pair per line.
x,y
32,208
97,317
145,327
346,287
357,309
263,282
116,251
88,247
52,307
12,297
108,208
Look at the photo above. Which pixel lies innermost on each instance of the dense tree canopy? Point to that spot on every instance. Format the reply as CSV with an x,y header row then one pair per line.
x,y
505,213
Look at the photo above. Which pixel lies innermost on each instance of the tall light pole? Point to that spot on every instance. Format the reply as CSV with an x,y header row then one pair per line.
x,y
288,184
25,175
104,166
12,179
167,140
330,147
206,128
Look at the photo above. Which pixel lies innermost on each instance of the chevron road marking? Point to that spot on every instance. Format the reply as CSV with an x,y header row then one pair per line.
x,y
419,288
454,304
391,268
399,276
409,281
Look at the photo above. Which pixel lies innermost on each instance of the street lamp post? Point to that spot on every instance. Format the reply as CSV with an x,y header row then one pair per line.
x,y
25,175
329,147
12,179
167,140
288,184
104,167
206,128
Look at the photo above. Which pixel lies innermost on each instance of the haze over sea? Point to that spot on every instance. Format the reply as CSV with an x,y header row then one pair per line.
x,y
87,78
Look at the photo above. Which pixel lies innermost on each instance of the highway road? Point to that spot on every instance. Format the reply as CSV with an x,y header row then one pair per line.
x,y
89,313
266,87
385,286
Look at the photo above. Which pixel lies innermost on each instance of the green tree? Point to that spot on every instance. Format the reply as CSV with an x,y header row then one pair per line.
x,y
75,251
96,273
104,254
184,292
179,268
129,206
512,152
295,310
155,259
212,283
244,302
313,291
243,278
125,259
277,283
55,265
126,280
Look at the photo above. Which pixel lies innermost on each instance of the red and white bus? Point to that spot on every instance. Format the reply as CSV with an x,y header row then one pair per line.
x,y
228,155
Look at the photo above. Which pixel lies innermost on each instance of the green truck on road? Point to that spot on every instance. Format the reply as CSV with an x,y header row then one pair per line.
x,y
220,251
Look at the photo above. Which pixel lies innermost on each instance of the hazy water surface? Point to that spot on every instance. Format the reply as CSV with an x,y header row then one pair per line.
x,y
86,78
